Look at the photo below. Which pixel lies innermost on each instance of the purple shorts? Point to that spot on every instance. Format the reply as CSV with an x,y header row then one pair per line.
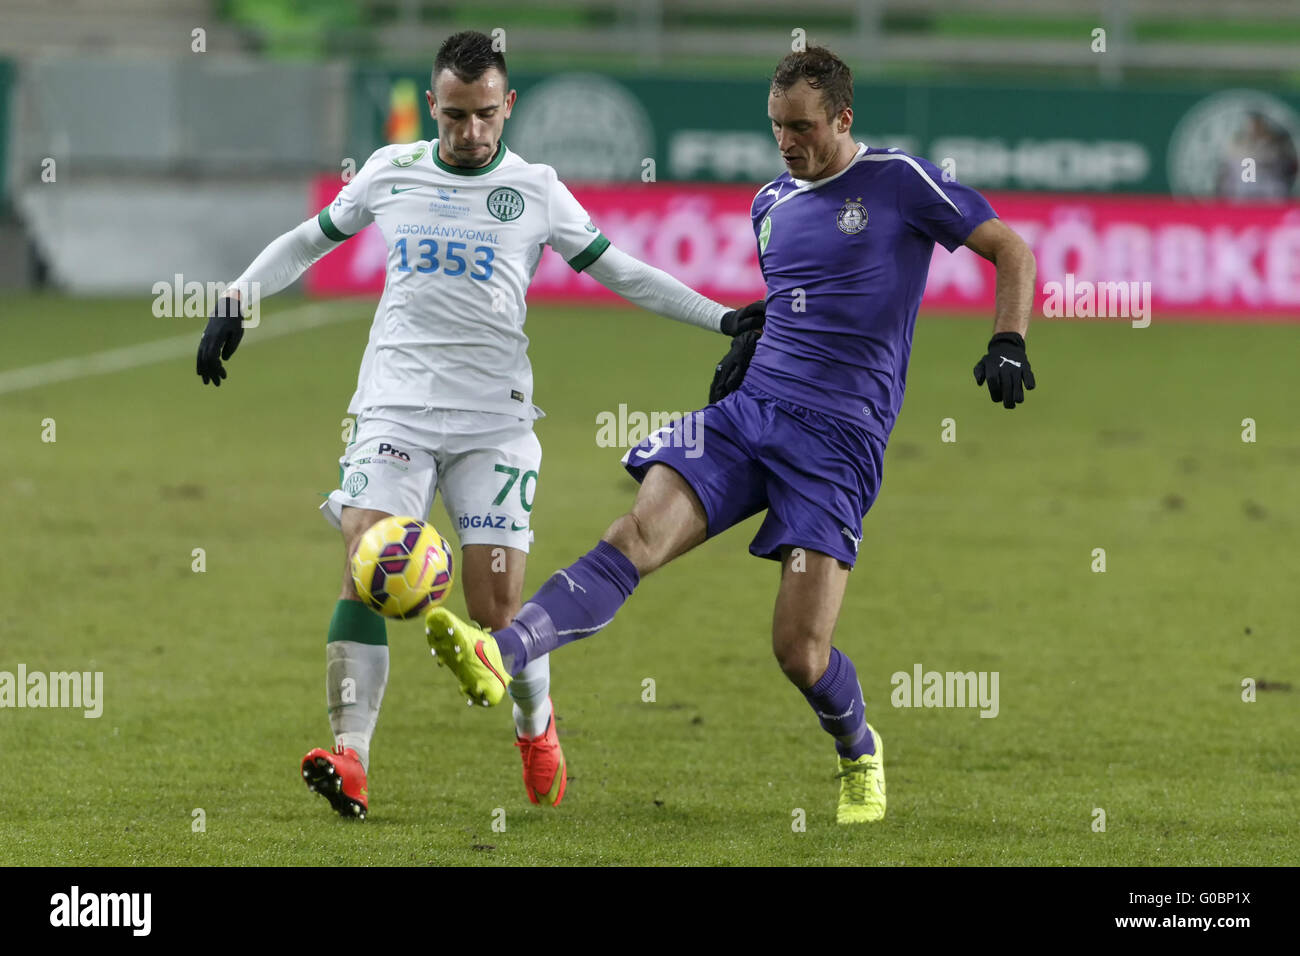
x,y
816,475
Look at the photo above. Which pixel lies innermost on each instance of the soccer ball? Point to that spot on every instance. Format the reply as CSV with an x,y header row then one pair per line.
x,y
402,567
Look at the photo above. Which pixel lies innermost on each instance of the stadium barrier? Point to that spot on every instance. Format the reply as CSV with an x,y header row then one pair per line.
x,y
1201,259
1030,135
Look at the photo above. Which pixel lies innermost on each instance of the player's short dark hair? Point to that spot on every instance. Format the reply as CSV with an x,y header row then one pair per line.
x,y
823,70
468,54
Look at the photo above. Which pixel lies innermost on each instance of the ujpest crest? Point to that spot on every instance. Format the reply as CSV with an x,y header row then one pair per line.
x,y
852,217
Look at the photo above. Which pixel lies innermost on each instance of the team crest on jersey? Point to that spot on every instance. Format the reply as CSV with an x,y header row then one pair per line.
x,y
356,483
764,234
410,158
852,217
505,203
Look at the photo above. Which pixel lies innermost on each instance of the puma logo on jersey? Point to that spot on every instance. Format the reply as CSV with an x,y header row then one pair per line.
x,y
774,192
1005,360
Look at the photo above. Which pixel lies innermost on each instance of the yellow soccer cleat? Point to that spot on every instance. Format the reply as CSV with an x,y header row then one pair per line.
x,y
862,786
470,653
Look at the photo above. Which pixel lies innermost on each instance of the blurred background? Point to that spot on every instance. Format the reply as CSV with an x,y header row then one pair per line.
x,y
164,143
210,126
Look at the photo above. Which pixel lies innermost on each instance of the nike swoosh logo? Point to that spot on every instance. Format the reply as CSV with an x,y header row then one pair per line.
x,y
406,190
428,556
478,652
518,527
556,781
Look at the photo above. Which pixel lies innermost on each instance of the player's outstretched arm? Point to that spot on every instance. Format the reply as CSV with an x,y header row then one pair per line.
x,y
657,291
279,264
1005,367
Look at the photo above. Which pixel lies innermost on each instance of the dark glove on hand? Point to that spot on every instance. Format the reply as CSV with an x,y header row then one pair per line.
x,y
731,370
744,319
1006,369
220,339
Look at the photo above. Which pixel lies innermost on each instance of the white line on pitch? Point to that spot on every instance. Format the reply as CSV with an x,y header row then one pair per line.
x,y
294,320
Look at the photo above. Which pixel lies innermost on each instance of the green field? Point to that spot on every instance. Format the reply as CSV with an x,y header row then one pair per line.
x,y
1119,690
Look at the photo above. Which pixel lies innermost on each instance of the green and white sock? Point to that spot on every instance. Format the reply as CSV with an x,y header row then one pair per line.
x,y
531,691
356,673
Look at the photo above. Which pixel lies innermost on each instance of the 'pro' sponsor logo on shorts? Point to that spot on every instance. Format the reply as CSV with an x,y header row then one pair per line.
x,y
392,450
385,454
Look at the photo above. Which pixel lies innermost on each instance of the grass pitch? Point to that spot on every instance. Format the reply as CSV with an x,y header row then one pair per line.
x,y
1119,691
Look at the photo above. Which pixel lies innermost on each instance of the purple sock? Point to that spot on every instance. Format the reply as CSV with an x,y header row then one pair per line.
x,y
573,603
837,701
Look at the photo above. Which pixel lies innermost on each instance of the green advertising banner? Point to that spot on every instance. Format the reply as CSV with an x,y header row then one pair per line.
x,y
1184,141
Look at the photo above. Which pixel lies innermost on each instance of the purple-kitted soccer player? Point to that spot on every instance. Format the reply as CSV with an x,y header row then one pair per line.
x,y
845,237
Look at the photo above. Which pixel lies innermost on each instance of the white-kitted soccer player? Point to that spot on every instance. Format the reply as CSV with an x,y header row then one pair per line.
x,y
444,399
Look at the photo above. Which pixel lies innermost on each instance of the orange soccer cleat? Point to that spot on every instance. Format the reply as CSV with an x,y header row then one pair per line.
x,y
337,776
544,770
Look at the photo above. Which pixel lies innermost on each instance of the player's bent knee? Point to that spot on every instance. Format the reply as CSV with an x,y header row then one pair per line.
x,y
624,534
800,671
802,663
666,521
629,535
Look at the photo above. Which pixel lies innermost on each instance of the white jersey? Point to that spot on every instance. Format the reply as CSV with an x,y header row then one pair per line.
x,y
463,245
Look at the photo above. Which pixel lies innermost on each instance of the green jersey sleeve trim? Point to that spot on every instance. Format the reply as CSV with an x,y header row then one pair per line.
x,y
328,227
589,255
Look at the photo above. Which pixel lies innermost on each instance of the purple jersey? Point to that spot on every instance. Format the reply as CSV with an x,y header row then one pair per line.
x,y
845,260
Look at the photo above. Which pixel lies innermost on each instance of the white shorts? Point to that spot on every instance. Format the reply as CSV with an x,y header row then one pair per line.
x,y
484,463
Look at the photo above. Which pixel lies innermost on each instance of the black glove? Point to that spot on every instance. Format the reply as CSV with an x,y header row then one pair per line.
x,y
1006,369
220,339
742,320
731,370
